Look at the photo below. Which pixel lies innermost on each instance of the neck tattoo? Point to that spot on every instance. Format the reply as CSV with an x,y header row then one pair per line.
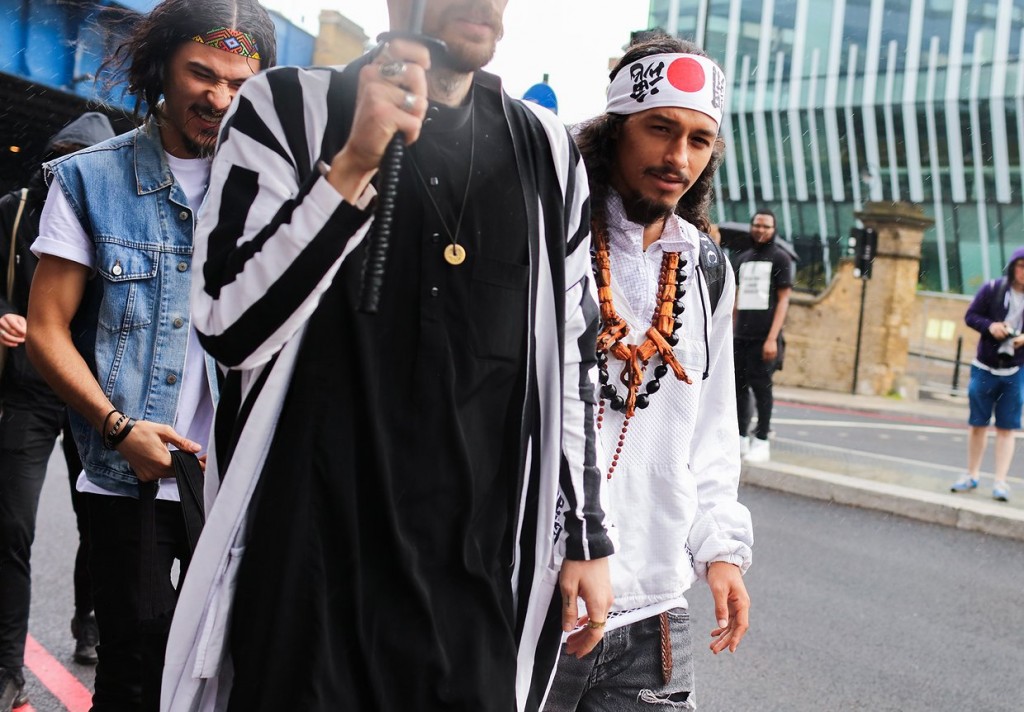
x,y
454,253
661,337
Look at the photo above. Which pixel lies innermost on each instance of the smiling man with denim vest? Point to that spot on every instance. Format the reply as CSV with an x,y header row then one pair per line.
x,y
109,319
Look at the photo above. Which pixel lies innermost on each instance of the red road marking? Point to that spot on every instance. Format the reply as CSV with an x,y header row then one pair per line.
x,y
67,688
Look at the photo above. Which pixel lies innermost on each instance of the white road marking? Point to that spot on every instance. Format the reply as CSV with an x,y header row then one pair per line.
x,y
955,432
860,454
905,427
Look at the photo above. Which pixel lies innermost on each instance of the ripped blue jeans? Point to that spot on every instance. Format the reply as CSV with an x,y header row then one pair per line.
x,y
623,672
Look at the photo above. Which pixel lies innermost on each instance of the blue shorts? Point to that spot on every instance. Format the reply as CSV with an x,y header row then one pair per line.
x,y
1001,394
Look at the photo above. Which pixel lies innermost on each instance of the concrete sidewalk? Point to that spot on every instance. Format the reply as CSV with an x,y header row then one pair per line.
x,y
909,496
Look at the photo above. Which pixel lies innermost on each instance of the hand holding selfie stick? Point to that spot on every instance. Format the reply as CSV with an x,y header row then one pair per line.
x,y
375,263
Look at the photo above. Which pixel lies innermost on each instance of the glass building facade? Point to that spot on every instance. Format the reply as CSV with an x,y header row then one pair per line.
x,y
834,103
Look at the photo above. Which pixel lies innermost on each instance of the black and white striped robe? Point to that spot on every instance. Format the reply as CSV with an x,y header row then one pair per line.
x,y
268,246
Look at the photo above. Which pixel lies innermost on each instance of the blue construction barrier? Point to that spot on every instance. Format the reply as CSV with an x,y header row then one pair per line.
x,y
61,46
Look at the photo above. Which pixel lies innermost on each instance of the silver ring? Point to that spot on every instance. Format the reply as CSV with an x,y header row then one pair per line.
x,y
409,102
392,69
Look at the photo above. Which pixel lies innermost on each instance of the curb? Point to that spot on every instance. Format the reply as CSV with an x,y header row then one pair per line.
x,y
946,509
954,414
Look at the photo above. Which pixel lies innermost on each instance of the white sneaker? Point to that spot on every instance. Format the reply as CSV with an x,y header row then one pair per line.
x,y
744,445
760,451
1001,492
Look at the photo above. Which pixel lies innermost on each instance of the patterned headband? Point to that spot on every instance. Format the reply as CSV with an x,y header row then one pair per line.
x,y
684,81
227,40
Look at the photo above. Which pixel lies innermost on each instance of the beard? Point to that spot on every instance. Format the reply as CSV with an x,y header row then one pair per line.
x,y
204,144
200,149
464,57
645,211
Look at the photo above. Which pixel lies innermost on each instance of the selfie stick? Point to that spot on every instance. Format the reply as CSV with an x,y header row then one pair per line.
x,y
379,239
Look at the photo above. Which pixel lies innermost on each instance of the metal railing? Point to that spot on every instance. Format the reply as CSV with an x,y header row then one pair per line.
x,y
816,261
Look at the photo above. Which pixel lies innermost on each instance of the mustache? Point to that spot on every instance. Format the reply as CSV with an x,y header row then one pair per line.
x,y
217,114
668,172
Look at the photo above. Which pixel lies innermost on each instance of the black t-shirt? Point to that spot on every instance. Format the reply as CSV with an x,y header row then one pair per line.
x,y
761,271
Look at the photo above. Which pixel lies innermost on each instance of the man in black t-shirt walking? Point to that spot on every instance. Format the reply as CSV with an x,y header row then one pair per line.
x,y
764,281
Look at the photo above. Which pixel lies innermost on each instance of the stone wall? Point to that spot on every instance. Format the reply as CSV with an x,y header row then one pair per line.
x,y
821,335
821,332
936,327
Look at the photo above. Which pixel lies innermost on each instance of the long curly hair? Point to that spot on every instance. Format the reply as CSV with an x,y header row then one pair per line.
x,y
150,41
597,140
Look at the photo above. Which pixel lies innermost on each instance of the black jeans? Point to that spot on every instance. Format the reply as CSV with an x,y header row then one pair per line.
x,y
131,649
27,435
83,581
753,373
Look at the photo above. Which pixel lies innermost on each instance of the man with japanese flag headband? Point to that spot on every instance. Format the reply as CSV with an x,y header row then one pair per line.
x,y
667,413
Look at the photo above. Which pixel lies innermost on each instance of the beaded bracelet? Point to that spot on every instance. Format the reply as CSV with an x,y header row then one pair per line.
x,y
116,438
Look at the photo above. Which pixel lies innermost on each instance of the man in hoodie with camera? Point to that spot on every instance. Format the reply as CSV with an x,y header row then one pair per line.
x,y
997,313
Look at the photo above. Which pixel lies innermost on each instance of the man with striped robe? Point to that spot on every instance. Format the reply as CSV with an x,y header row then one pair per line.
x,y
405,506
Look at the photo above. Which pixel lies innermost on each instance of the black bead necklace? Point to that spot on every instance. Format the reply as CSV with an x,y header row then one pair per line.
x,y
609,390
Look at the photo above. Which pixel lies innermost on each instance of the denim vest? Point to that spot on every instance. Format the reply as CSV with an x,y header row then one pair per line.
x,y
132,327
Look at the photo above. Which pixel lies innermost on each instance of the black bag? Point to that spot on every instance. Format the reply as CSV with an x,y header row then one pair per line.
x,y
155,615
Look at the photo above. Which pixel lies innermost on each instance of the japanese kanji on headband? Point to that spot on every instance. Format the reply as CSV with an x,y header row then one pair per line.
x,y
683,81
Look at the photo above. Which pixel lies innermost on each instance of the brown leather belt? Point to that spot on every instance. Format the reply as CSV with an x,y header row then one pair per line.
x,y
666,649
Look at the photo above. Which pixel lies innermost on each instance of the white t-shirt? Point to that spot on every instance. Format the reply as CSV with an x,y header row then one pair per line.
x,y
62,235
755,286
1015,311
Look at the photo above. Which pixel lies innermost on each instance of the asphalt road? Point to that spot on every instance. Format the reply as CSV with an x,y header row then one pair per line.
x,y
853,610
858,610
925,452
53,558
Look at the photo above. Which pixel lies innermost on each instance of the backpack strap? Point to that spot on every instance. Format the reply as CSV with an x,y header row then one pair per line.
x,y
12,256
713,265
1001,286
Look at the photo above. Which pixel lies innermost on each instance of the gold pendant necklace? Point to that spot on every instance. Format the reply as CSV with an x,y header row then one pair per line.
x,y
454,253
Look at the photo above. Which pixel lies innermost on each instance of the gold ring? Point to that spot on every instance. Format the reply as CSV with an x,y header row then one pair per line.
x,y
596,625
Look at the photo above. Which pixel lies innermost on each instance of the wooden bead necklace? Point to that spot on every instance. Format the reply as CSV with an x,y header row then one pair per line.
x,y
661,337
